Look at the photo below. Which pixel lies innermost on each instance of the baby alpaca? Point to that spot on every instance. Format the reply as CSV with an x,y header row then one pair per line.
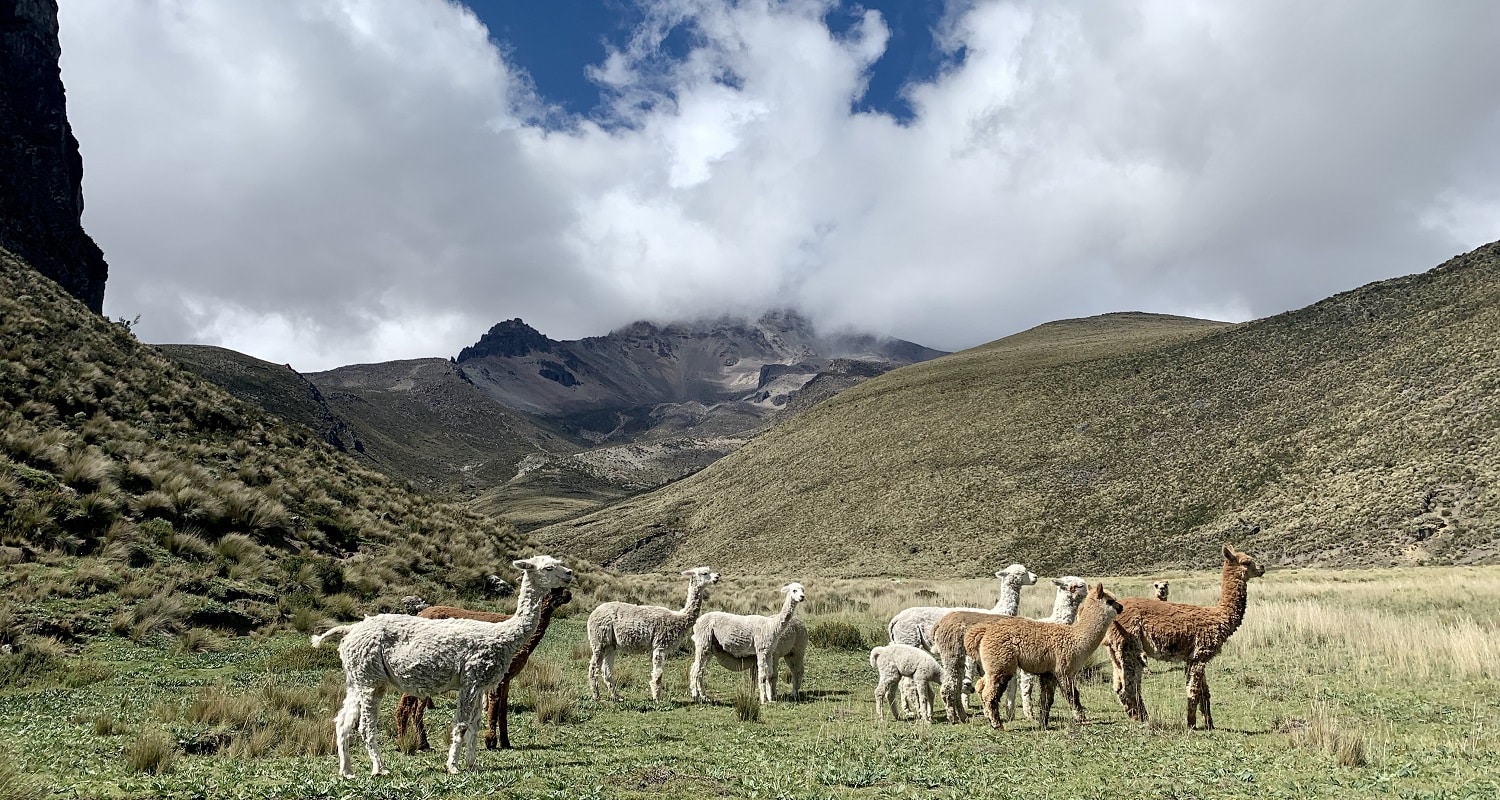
x,y
1054,653
424,657
897,664
754,642
626,627
1161,589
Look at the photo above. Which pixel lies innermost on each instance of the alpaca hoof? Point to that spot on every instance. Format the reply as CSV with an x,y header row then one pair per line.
x,y
348,776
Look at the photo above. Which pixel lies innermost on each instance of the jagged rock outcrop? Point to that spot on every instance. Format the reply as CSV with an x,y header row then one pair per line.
x,y
41,171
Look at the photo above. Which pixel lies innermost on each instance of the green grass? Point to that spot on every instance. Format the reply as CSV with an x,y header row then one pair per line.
x,y
1361,431
1293,689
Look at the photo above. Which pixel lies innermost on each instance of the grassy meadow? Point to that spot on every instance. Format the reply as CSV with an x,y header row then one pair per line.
x,y
1378,683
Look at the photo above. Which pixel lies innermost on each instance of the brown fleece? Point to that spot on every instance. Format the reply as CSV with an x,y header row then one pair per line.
x,y
1179,632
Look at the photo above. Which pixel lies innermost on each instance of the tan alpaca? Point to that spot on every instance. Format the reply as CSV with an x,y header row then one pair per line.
x,y
948,646
1054,652
1179,632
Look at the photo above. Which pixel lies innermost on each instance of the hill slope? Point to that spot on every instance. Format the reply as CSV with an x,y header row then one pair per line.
x,y
1361,429
136,495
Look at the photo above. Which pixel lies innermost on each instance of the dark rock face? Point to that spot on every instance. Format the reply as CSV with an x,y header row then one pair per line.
x,y
509,339
41,172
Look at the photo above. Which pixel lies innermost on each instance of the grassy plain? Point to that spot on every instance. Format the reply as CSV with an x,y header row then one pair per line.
x,y
1382,683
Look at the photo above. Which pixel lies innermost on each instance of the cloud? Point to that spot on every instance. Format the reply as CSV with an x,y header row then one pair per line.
x,y
326,182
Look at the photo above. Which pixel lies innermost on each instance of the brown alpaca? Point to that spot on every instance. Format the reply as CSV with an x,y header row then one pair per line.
x,y
1179,632
1054,652
411,708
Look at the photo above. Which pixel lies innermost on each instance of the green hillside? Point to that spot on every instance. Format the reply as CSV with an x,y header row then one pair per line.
x,y
1359,430
138,497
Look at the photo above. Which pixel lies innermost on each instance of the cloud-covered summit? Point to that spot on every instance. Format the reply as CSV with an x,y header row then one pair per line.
x,y
330,182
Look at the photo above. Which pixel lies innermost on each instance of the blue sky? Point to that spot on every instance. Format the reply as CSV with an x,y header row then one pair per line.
x,y
325,182
556,41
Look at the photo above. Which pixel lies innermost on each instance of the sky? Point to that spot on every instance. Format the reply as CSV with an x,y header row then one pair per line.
x,y
327,182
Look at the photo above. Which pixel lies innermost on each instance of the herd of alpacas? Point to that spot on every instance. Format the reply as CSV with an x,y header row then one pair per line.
x,y
990,652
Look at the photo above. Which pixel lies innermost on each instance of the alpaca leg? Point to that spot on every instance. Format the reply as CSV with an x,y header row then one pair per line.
x,y
766,669
1047,694
609,673
994,689
1025,681
465,714
658,668
1197,696
886,691
794,660
494,703
345,726
369,726
952,690
596,666
1070,691
1010,700
421,723
924,707
695,675
1125,654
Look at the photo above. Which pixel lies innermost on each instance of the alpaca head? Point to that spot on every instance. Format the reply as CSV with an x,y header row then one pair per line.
x,y
558,597
544,572
1250,567
1112,606
700,576
1073,587
793,592
1016,575
1160,589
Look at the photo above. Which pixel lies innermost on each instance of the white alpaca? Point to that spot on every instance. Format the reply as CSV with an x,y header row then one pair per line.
x,y
1071,590
426,657
1161,589
629,628
754,642
899,664
913,626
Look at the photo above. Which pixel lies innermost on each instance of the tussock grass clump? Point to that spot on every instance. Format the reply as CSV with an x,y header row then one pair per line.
x,y
746,705
15,783
556,708
200,640
37,660
278,720
540,676
1323,732
152,753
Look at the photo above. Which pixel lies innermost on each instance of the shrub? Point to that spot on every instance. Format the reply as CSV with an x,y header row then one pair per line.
x,y
153,753
836,635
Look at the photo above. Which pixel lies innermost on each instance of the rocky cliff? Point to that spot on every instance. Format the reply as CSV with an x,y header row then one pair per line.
x,y
41,192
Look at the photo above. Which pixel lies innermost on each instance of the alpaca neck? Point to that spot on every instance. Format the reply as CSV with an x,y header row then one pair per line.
x,y
528,604
697,593
1010,598
1233,593
1064,609
787,610
1092,623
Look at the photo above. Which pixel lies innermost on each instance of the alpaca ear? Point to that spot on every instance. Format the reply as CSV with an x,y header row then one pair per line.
x,y
1058,582
1099,589
523,564
1228,552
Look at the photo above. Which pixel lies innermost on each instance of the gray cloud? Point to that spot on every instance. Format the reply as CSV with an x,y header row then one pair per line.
x,y
330,183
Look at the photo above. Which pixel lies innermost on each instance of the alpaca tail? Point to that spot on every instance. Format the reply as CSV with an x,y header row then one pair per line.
x,y
333,633
875,658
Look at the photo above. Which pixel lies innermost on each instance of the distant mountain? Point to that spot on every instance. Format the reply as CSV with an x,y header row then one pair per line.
x,y
1362,430
713,378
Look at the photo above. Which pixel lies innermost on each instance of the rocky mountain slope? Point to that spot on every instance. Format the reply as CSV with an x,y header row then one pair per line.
x,y
1359,430
41,191
714,378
